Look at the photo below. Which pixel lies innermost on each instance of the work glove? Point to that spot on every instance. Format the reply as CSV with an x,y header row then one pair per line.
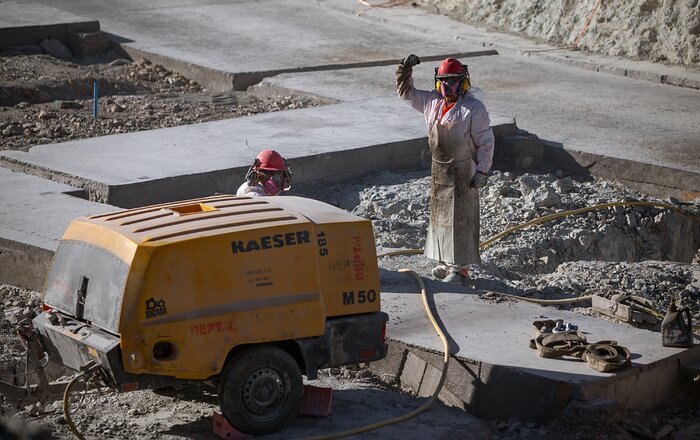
x,y
410,61
479,180
403,72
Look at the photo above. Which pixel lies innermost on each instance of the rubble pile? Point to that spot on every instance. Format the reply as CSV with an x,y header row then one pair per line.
x,y
646,251
661,31
56,105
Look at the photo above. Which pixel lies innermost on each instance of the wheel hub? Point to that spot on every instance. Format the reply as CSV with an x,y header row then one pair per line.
x,y
263,391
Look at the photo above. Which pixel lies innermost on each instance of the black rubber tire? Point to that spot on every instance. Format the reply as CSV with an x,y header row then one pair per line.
x,y
260,390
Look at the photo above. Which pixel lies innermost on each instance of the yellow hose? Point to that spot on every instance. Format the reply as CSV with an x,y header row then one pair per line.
x,y
66,407
488,242
426,405
562,214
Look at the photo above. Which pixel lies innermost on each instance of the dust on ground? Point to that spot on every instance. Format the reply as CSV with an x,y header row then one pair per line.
x,y
626,249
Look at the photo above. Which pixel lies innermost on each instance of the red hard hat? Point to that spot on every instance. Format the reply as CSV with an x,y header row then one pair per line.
x,y
271,160
450,67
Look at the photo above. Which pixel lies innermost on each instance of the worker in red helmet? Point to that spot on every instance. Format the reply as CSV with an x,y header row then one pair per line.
x,y
461,143
268,176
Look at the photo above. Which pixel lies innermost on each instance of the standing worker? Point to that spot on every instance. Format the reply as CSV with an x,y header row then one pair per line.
x,y
461,143
268,176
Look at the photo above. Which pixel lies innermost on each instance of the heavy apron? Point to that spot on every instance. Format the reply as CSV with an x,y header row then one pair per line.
x,y
453,234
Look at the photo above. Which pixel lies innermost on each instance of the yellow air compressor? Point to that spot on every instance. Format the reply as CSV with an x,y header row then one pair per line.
x,y
244,293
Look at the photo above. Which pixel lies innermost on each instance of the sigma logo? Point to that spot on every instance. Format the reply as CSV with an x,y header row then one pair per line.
x,y
155,308
357,260
270,241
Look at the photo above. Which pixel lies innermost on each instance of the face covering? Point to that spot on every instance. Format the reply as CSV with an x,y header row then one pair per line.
x,y
274,185
449,87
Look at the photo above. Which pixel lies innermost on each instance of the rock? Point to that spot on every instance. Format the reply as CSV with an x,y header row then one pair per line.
x,y
545,197
564,186
89,44
116,108
497,425
509,191
639,430
56,48
528,183
664,432
12,130
35,410
60,105
119,62
45,115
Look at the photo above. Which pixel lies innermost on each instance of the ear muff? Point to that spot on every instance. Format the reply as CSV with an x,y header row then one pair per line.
x,y
466,82
437,83
466,85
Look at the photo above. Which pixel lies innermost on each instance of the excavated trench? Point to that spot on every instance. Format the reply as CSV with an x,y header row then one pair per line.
x,y
652,252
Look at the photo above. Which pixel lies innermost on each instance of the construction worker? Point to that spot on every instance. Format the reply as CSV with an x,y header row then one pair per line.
x,y
268,176
461,143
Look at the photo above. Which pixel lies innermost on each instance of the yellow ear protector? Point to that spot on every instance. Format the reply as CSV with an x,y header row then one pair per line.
x,y
466,81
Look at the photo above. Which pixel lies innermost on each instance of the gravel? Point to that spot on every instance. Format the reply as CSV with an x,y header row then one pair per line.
x,y
56,104
655,30
647,251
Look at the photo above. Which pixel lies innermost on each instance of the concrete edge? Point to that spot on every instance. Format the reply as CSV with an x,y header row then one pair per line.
x,y
629,72
24,35
525,152
642,387
516,150
95,191
219,81
474,386
24,265
214,80
479,387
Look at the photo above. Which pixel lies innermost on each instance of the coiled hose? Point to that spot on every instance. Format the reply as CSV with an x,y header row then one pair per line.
x,y
66,407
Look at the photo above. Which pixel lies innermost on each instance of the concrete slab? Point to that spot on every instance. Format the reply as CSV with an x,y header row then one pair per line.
x,y
251,40
20,25
34,214
322,144
492,358
584,111
489,343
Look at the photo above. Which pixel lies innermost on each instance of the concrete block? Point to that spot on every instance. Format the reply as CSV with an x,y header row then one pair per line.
x,y
24,265
508,392
641,387
463,382
389,369
448,398
88,43
431,380
413,371
56,48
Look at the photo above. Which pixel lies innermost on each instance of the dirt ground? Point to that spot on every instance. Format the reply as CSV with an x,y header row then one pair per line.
x,y
513,265
44,99
646,251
